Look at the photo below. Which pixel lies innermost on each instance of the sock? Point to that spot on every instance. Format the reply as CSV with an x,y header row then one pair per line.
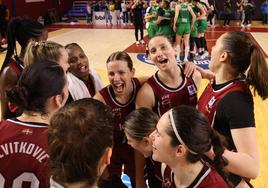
x,y
186,52
192,39
178,47
198,45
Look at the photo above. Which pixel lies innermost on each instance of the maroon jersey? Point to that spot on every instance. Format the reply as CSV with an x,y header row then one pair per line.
x,y
120,111
122,152
153,173
167,98
207,178
16,66
210,98
23,154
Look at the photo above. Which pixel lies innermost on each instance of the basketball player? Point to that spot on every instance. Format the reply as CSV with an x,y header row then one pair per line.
x,y
183,24
83,80
120,95
181,138
139,124
40,51
228,103
169,86
201,20
21,30
85,149
41,90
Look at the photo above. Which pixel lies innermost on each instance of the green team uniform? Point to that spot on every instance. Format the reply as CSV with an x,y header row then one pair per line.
x,y
164,27
183,25
195,30
202,24
152,29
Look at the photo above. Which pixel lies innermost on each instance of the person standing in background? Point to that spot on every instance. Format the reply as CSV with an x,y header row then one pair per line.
x,y
125,12
118,10
211,14
264,11
108,16
89,12
4,15
240,14
227,13
137,6
249,11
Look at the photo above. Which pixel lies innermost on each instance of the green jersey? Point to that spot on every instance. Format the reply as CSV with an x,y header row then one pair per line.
x,y
184,14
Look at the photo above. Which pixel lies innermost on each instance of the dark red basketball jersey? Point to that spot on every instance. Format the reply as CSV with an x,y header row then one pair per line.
x,y
16,66
23,154
210,98
120,111
207,178
167,98
153,173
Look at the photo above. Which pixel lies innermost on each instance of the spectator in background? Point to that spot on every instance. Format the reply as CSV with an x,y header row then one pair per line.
x,y
137,6
227,9
125,12
108,16
211,14
4,15
89,12
118,10
264,11
240,14
249,11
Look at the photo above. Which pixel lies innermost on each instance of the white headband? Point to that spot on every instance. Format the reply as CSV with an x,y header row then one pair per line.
x,y
176,132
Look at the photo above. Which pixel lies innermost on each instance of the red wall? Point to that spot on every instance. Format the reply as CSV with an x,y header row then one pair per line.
x,y
36,9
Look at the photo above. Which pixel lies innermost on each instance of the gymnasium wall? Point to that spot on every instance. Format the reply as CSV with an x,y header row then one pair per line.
x,y
36,9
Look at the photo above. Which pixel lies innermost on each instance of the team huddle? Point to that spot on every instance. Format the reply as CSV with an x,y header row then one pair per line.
x,y
61,127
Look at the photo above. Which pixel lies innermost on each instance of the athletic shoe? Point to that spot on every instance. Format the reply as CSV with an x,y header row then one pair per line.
x,y
142,41
204,55
191,56
137,42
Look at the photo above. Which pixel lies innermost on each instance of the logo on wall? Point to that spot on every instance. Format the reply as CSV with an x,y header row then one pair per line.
x,y
100,17
204,62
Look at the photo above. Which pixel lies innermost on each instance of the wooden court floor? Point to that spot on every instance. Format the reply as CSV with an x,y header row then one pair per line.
x,y
99,42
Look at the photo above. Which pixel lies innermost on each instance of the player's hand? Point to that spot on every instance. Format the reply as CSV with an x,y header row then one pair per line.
x,y
189,68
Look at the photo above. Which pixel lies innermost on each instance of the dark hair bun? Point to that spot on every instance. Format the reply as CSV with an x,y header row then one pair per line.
x,y
18,95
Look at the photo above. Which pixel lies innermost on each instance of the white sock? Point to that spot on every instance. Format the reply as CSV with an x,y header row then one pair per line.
x,y
178,51
186,52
